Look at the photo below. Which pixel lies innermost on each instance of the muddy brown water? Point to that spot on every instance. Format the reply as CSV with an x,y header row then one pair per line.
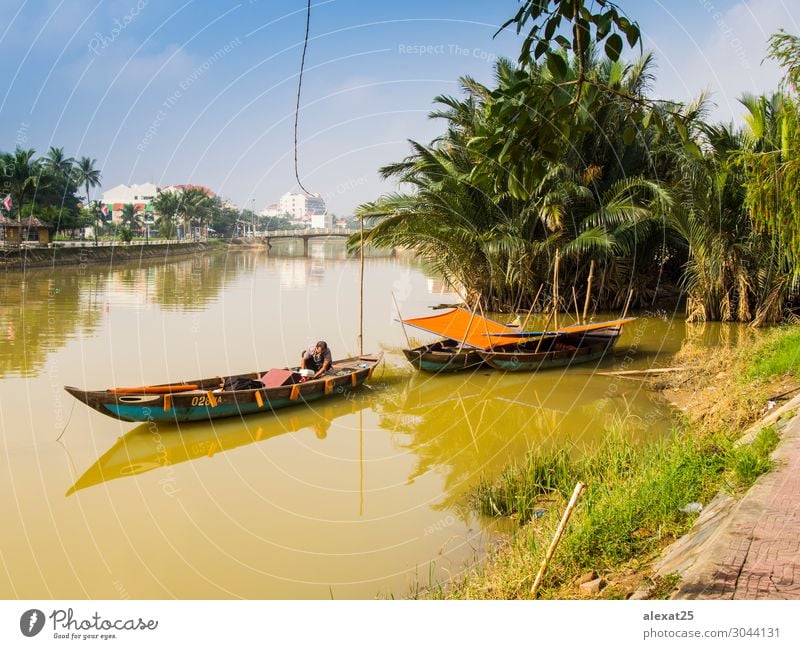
x,y
354,497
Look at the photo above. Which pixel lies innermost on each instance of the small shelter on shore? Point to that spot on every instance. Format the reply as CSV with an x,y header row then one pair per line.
x,y
15,232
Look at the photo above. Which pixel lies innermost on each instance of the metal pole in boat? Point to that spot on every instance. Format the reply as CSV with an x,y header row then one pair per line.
x,y
588,291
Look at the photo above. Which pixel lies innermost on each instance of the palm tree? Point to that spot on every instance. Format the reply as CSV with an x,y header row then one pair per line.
x,y
87,175
23,176
167,206
56,162
196,205
492,224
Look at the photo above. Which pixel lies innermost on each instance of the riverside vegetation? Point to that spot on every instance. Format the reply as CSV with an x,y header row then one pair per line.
x,y
635,496
567,152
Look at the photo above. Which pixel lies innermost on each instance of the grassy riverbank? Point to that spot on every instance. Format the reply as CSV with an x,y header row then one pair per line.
x,y
636,496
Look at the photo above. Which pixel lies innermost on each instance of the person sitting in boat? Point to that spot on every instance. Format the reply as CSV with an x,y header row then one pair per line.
x,y
317,358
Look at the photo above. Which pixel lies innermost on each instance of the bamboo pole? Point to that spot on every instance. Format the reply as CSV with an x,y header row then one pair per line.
x,y
555,290
575,302
469,324
627,304
485,328
361,296
556,538
588,291
533,304
546,324
402,324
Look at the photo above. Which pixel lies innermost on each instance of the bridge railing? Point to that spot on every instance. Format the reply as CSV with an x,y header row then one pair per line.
x,y
313,232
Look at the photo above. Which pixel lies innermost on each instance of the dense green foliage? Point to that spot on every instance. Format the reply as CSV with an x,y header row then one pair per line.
x,y
46,187
566,152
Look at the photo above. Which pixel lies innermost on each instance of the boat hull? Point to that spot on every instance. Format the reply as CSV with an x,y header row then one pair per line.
x,y
441,357
174,403
563,352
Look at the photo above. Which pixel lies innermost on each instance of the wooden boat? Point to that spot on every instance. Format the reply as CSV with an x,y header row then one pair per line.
x,y
567,346
202,399
464,335
443,356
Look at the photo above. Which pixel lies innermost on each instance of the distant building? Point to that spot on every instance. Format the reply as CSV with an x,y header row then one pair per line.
x,y
140,196
301,207
271,211
322,221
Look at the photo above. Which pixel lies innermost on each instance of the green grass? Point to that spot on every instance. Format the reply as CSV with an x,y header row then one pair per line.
x,y
630,508
747,462
632,499
778,355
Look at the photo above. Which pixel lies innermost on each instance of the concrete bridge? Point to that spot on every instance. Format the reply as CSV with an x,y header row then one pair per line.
x,y
306,235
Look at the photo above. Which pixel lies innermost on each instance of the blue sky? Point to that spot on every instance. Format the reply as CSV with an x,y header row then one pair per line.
x,y
200,91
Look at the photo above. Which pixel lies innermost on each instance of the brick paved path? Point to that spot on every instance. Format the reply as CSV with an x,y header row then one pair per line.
x,y
755,553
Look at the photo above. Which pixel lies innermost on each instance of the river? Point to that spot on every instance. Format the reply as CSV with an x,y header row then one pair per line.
x,y
355,497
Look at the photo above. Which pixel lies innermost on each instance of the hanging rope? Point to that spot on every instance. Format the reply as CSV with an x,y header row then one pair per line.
x,y
299,87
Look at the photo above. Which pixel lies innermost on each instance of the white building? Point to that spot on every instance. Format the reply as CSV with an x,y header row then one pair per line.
x,y
271,210
140,196
322,221
301,207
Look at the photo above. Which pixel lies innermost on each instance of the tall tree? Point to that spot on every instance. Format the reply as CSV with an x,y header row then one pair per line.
x,y
88,176
23,174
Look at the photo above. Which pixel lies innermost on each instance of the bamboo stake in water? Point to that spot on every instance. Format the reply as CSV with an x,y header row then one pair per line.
x,y
555,291
588,291
575,302
556,538
546,324
533,304
627,304
361,296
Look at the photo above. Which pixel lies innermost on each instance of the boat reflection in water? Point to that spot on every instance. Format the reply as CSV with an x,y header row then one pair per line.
x,y
158,445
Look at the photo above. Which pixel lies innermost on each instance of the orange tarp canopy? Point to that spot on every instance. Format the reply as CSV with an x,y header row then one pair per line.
x,y
463,326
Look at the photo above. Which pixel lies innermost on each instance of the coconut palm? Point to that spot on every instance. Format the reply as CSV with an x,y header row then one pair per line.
x,y
167,206
492,225
86,175
57,163
23,176
196,206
